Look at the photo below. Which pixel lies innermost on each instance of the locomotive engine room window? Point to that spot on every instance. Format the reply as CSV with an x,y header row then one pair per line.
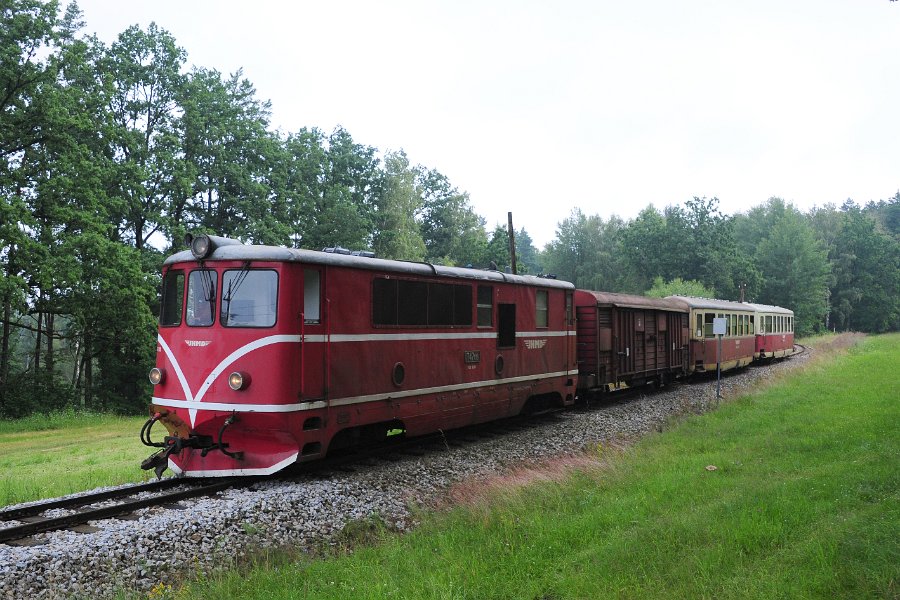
x,y
172,299
541,317
201,305
506,333
249,298
311,295
411,303
485,306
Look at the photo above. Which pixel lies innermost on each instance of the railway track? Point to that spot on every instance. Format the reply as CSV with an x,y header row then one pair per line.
x,y
17,524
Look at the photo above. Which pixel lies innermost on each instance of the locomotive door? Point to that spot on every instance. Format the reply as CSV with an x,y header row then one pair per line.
x,y
314,336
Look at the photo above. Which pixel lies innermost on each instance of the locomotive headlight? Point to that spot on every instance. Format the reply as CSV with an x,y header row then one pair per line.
x,y
157,376
201,246
239,381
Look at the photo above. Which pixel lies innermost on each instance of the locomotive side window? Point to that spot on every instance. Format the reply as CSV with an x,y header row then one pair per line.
x,y
506,334
412,303
201,305
249,298
541,305
311,295
485,306
172,299
417,303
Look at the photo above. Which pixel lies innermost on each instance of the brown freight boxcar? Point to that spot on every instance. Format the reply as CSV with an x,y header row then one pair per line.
x,y
625,340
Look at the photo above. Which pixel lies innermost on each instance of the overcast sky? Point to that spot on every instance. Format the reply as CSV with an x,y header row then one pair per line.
x,y
606,105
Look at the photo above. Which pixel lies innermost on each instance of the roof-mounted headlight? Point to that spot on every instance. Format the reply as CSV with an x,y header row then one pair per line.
x,y
203,245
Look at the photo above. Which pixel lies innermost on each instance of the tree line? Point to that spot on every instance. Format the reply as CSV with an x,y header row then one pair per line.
x,y
109,153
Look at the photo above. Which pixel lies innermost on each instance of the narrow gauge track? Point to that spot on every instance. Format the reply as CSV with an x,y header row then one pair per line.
x,y
32,521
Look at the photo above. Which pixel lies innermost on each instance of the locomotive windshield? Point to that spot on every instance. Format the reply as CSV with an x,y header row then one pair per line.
x,y
201,306
249,298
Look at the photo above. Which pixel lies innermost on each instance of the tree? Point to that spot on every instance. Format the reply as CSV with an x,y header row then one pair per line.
x,y
397,235
234,161
867,275
679,287
145,131
451,230
587,252
795,270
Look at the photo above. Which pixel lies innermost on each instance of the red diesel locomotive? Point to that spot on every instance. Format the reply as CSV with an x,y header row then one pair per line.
x,y
267,356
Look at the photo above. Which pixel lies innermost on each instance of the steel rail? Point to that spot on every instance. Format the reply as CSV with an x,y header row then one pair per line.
x,y
32,510
54,523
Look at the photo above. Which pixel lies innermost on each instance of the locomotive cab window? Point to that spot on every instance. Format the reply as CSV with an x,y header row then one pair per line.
x,y
542,312
201,304
249,298
172,299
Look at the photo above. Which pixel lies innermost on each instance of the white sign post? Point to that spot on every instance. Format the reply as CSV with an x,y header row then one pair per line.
x,y
718,331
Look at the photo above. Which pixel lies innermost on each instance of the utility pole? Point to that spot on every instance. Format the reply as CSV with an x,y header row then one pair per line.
x,y
512,243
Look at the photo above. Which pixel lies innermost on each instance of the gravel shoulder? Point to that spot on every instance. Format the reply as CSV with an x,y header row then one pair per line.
x,y
165,545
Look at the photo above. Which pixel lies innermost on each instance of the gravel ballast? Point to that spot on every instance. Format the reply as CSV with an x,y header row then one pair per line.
x,y
165,545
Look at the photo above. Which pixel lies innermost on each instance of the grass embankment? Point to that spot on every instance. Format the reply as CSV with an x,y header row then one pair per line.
x,y
803,503
45,456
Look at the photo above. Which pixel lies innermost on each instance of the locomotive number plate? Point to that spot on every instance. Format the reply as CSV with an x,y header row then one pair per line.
x,y
472,357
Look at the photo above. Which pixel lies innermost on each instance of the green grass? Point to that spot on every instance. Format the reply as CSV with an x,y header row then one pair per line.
x,y
45,456
804,503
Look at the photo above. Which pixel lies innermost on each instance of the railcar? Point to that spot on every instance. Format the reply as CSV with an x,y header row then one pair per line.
x,y
268,356
738,343
625,340
774,331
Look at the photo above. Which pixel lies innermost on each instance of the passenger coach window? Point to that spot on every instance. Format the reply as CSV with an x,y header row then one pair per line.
x,y
201,306
541,317
249,298
411,303
485,306
708,325
172,299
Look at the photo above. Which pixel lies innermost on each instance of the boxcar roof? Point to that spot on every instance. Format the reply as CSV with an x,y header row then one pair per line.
x,y
770,309
280,254
695,302
630,301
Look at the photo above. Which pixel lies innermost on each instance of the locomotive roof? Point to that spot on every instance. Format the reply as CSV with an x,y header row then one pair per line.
x,y
631,301
695,302
770,309
246,252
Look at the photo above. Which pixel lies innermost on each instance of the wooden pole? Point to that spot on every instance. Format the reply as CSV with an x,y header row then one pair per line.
x,y
512,243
